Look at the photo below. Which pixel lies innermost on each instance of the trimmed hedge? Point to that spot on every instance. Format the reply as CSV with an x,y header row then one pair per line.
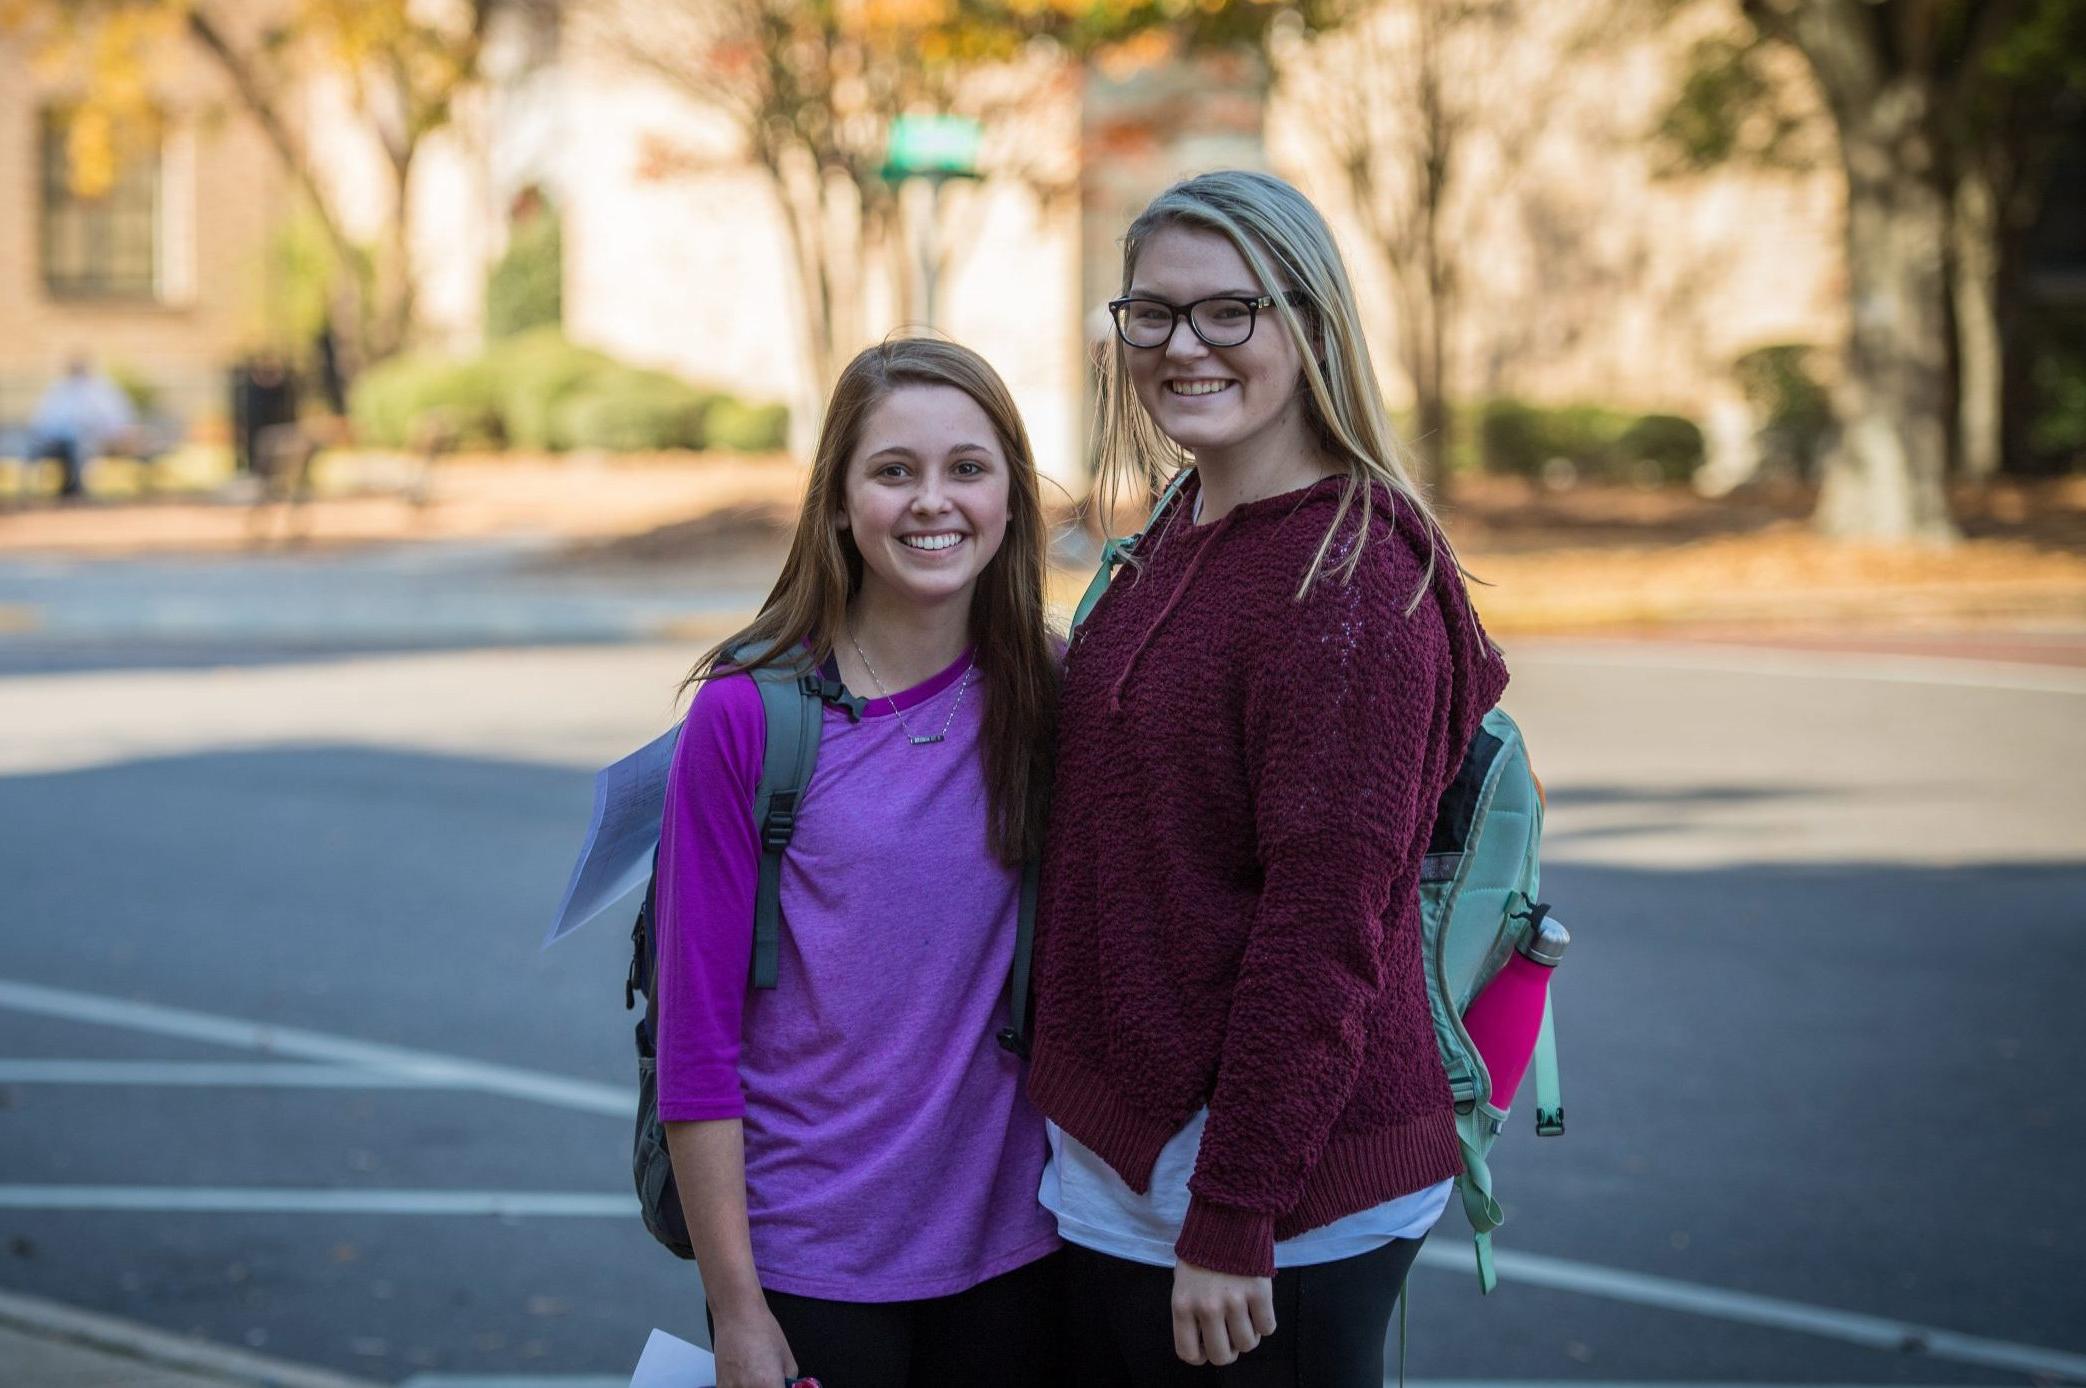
x,y
1587,442
631,411
538,372
526,287
733,424
537,391
1794,409
1671,446
395,400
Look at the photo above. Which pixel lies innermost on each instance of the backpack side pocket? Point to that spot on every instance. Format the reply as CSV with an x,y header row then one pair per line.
x,y
652,1166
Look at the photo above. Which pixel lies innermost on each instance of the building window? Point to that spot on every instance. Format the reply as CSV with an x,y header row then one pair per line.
x,y
104,246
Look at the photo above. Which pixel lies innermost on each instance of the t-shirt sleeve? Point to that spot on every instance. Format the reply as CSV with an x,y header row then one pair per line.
x,y
709,861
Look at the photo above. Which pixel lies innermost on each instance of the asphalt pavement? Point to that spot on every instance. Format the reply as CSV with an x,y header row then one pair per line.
x,y
283,1066
60,613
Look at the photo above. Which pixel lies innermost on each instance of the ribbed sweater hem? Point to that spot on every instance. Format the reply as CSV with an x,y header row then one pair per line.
x,y
1362,1170
1354,1172
1081,1102
1224,1238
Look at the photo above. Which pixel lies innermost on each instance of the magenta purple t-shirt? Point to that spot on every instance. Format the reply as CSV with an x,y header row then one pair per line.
x,y
891,1153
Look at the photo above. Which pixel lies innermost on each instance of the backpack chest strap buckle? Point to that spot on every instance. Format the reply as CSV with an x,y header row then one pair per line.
x,y
780,822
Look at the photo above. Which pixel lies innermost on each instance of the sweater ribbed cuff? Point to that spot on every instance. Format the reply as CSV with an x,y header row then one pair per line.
x,y
1224,1238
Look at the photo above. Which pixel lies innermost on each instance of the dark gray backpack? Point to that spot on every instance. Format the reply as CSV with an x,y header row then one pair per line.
x,y
793,698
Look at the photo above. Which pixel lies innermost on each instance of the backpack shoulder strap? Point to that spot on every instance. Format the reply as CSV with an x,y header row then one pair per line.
x,y
1549,1102
1112,552
1016,1036
793,715
793,699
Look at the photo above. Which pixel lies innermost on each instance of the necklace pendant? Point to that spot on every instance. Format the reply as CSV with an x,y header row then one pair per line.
x,y
923,741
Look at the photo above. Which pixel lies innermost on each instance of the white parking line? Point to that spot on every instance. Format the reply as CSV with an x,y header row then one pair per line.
x,y
514,1204
228,1074
541,1381
427,1066
1817,665
606,1381
401,1063
1870,1332
141,1355
1746,1308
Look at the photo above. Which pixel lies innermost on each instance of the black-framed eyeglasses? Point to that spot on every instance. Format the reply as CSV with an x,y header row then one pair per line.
x,y
1222,320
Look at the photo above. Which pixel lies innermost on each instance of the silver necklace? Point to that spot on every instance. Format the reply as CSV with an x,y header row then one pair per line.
x,y
962,687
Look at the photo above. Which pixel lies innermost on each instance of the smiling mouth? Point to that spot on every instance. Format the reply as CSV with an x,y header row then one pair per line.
x,y
931,543
1197,387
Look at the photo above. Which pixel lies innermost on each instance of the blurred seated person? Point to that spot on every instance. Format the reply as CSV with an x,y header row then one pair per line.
x,y
82,413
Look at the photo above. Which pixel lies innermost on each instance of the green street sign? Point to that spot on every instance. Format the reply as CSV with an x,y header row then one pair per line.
x,y
932,147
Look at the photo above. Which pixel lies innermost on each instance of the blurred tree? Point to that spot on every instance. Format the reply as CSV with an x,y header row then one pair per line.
x,y
1401,95
812,87
1429,126
404,64
2004,144
1942,113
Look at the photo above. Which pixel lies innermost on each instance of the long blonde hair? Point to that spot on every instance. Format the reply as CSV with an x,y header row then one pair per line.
x,y
1291,251
1016,653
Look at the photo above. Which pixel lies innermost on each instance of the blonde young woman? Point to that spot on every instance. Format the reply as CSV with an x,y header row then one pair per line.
x,y
855,1156
1250,1127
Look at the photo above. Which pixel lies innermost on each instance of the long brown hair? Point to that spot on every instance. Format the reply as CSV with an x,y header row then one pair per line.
x,y
1016,650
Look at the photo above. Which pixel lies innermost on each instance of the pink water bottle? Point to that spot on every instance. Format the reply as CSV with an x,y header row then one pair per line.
x,y
1504,1019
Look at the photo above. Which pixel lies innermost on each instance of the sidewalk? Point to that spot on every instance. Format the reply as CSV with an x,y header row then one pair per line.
x,y
1590,561
45,1344
367,499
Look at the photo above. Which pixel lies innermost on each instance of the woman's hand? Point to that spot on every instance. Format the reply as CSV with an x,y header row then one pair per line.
x,y
751,1351
710,1169
1218,1317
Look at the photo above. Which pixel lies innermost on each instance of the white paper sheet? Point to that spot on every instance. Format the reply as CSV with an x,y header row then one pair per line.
x,y
669,1362
629,797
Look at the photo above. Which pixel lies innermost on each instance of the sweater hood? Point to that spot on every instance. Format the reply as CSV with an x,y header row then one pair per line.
x,y
1480,671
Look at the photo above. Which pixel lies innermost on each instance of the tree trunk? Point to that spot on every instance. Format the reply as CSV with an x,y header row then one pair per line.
x,y
1431,381
1416,344
1980,346
1885,480
350,312
793,175
393,327
1431,437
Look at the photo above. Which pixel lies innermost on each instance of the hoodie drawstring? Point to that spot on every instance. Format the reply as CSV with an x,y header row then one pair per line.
x,y
1180,589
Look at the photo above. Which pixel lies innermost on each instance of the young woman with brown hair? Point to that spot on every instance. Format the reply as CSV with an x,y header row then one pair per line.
x,y
856,1159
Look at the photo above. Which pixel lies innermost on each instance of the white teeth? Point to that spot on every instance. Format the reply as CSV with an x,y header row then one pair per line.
x,y
929,541
1197,387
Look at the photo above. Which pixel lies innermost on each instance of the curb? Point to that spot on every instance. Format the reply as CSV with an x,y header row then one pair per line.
x,y
57,1322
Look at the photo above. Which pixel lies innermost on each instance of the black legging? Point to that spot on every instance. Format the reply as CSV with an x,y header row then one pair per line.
x,y
1330,1322
1006,1332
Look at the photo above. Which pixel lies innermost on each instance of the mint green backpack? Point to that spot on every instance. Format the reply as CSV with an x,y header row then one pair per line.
x,y
1477,902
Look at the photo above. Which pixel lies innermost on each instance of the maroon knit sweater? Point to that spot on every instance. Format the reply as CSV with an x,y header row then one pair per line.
x,y
1230,915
